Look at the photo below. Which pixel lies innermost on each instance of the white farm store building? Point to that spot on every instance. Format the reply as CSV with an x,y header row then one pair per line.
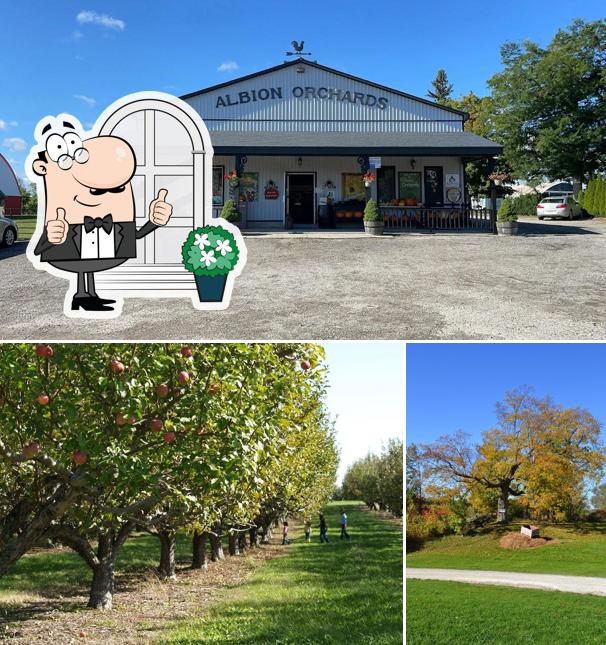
x,y
300,135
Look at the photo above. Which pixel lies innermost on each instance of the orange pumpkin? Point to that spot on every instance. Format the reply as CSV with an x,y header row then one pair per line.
x,y
340,215
358,214
348,214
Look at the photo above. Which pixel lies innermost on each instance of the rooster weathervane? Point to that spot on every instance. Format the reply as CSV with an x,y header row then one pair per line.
x,y
298,49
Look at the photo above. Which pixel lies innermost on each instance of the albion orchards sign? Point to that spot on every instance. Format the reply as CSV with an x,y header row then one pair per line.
x,y
298,92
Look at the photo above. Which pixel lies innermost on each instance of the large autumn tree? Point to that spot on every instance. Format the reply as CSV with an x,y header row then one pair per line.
x,y
537,449
550,104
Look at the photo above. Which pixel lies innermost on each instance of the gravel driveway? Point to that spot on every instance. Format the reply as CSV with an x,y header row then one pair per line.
x,y
546,581
547,283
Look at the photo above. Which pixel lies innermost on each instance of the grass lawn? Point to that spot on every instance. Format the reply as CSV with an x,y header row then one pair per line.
x,y
450,613
26,226
342,592
579,551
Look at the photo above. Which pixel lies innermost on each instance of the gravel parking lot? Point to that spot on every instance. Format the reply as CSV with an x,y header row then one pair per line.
x,y
547,283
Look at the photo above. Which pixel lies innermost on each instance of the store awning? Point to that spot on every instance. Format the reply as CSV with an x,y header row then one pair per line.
x,y
459,144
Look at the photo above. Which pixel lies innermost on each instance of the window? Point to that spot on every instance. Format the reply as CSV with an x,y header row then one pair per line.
x,y
353,187
218,174
386,184
409,185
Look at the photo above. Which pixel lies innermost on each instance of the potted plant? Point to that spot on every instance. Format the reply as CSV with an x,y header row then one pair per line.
x,y
373,220
210,253
507,219
368,178
231,213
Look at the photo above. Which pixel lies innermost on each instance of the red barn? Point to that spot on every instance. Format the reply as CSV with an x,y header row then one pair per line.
x,y
10,196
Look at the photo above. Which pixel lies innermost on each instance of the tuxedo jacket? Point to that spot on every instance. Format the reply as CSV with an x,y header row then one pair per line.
x,y
126,235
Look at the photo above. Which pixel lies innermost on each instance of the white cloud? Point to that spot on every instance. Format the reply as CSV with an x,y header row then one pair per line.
x,y
5,125
13,124
14,144
228,66
77,35
101,19
87,100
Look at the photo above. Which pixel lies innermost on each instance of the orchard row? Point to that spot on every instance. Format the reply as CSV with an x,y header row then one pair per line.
x,y
97,441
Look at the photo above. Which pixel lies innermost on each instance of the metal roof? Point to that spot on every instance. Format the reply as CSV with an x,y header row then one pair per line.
x,y
302,61
353,143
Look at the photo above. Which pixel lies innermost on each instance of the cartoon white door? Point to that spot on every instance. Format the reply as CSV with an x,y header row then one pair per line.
x,y
173,151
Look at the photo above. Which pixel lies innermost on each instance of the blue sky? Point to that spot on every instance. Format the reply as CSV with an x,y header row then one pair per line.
x,y
366,394
452,387
79,57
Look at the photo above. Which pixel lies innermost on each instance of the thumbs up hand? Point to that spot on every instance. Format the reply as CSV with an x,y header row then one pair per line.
x,y
159,210
56,229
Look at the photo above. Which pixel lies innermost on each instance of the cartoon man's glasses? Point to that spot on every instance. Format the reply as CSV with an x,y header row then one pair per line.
x,y
66,149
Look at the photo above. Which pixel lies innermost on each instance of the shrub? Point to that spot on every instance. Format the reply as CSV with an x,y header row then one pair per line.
x,y
526,204
594,197
506,212
371,212
230,212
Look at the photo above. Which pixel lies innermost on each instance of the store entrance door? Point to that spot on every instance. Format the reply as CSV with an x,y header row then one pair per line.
x,y
300,191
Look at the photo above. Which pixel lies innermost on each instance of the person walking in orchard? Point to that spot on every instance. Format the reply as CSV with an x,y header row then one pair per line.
x,y
344,533
285,539
307,530
323,529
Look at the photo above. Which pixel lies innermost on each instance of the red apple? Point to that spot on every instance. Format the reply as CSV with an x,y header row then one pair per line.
x,y
41,350
213,388
162,390
49,351
305,365
31,449
83,634
117,366
169,437
132,420
186,352
79,457
43,399
121,420
183,377
157,424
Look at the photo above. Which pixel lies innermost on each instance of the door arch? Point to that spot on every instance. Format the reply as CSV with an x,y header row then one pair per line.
x,y
173,151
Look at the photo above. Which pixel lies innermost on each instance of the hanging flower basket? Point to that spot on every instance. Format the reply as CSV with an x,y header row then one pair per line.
x,y
231,178
210,253
368,178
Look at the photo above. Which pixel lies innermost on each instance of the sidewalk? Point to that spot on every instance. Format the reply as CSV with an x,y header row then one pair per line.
x,y
545,581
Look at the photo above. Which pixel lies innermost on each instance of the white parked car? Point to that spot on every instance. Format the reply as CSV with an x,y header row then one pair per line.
x,y
8,231
565,207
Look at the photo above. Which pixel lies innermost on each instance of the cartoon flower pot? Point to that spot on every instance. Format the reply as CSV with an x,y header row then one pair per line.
x,y
210,253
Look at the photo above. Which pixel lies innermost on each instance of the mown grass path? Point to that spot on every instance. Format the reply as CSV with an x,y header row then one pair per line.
x,y
342,592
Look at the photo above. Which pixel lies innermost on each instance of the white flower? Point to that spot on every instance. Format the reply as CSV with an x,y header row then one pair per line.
x,y
223,247
201,240
208,257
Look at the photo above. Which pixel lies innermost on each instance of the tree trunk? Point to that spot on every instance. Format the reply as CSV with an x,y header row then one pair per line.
x,y
233,543
18,545
102,587
215,543
503,506
242,544
253,537
199,551
168,542
266,534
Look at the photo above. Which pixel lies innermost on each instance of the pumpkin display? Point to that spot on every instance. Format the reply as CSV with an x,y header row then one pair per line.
x,y
340,215
358,214
411,201
348,214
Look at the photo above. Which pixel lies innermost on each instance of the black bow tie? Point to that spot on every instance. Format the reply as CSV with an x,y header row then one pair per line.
x,y
106,223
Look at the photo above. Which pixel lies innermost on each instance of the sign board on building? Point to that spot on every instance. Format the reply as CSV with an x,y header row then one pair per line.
x,y
452,180
374,162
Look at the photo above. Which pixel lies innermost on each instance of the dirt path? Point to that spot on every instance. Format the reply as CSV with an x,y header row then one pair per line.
x,y
546,581
143,604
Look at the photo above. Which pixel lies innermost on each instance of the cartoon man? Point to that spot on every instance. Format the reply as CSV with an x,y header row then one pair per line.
x,y
90,209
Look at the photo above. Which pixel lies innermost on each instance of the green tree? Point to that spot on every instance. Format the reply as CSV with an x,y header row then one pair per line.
x,y
441,87
29,197
549,107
